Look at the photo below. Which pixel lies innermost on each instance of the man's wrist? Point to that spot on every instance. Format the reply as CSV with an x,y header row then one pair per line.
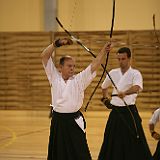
x,y
104,99
57,43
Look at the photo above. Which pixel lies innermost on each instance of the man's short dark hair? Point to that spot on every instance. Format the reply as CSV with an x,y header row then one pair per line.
x,y
125,50
63,59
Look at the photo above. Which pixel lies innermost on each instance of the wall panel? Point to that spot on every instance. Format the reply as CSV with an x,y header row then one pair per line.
x,y
24,85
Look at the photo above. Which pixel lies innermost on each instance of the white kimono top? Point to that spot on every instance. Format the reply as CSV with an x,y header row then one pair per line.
x,y
123,82
67,97
155,117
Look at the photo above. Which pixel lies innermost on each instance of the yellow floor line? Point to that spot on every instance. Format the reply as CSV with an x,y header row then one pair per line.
x,y
9,140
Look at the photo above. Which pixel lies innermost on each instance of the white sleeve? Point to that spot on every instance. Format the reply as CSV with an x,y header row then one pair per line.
x,y
155,117
107,82
138,80
50,70
85,77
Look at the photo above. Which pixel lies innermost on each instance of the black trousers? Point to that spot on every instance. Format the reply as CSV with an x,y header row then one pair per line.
x,y
122,141
156,155
67,141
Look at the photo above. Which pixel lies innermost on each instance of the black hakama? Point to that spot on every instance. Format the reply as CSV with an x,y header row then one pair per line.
x,y
67,140
120,137
156,155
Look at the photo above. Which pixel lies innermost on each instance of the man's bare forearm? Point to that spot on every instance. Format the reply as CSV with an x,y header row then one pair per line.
x,y
134,89
100,57
47,53
105,93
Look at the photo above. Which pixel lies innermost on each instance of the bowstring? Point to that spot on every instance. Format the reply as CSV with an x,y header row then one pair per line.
x,y
111,33
104,67
73,13
88,50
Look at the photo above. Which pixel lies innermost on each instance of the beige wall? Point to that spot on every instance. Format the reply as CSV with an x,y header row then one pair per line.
x,y
21,15
80,15
96,14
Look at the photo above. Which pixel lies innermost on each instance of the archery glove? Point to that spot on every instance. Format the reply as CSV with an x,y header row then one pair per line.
x,y
58,42
107,103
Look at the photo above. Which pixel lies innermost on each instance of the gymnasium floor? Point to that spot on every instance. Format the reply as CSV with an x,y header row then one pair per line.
x,y
24,134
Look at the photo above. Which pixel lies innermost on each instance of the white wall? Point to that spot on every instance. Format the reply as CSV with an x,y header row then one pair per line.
x,y
80,15
96,14
21,15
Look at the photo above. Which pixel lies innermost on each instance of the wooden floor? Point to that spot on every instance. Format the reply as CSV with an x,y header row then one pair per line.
x,y
24,134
